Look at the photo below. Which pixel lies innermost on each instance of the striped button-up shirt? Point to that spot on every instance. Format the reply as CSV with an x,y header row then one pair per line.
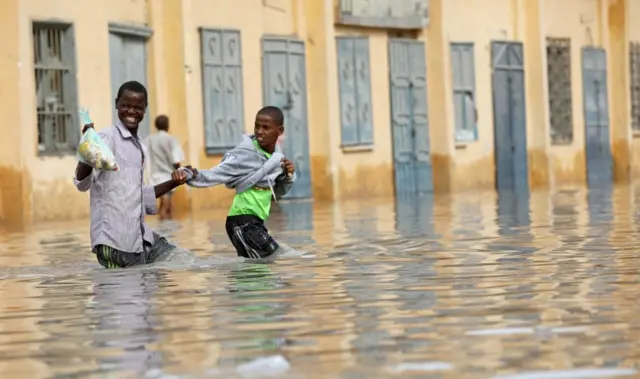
x,y
120,199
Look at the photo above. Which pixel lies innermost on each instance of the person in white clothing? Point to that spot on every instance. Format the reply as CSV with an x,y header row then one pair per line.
x,y
165,155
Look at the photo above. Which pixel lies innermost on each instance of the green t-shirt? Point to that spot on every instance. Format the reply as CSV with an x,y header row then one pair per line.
x,y
254,201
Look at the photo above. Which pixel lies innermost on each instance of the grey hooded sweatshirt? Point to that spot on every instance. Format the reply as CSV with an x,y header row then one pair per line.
x,y
244,167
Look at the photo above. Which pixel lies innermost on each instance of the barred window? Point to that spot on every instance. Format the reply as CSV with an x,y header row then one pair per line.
x,y
559,82
635,85
54,63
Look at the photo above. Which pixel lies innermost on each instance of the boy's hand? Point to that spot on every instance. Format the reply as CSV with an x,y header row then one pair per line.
x,y
87,127
288,166
194,170
179,177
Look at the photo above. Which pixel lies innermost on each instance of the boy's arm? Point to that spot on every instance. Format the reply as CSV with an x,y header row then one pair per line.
x,y
84,177
286,179
220,174
284,184
151,193
85,174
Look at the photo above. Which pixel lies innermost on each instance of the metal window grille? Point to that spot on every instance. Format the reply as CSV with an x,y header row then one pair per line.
x,y
634,53
559,84
53,54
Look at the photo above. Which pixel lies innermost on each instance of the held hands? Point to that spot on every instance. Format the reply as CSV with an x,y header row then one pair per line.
x,y
180,177
193,170
288,166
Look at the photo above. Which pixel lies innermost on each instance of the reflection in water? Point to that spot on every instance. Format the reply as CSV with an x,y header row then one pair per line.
x,y
513,212
298,221
123,313
414,214
475,285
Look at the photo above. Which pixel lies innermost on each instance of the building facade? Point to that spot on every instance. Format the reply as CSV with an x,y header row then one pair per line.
x,y
381,98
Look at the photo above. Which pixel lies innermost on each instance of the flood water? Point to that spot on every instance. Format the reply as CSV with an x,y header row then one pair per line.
x,y
545,285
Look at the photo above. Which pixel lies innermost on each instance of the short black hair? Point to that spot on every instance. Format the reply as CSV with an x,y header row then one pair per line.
x,y
274,112
133,86
162,122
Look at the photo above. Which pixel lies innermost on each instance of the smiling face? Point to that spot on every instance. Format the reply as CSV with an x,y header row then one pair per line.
x,y
267,132
131,107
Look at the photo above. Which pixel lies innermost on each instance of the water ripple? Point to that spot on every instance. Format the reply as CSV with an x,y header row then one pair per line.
x,y
478,285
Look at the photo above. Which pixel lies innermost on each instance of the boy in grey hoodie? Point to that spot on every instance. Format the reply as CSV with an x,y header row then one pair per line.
x,y
257,170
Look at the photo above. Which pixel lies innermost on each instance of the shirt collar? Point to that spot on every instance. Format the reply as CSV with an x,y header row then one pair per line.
x,y
123,130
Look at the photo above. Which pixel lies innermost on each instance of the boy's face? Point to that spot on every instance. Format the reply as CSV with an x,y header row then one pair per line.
x,y
131,107
267,132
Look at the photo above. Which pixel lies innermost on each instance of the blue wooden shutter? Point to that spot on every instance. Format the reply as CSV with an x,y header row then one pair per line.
x,y
222,89
518,113
420,117
347,86
401,115
363,91
234,109
462,66
468,76
134,56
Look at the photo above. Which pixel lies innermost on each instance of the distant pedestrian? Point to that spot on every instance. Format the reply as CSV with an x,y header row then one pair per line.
x,y
165,155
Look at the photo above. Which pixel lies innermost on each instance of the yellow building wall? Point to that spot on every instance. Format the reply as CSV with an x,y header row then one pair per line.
x,y
15,203
473,164
579,21
166,78
369,171
633,28
52,191
616,42
41,187
254,19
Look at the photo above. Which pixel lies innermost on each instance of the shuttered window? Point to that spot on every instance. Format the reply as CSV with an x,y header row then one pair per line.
x,y
355,91
464,92
222,89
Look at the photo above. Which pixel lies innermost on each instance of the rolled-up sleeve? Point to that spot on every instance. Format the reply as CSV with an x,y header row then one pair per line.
x,y
85,184
149,200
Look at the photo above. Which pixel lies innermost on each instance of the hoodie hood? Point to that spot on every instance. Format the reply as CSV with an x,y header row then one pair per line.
x,y
247,143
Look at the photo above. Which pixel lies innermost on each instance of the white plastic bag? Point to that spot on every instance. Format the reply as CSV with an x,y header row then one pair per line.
x,y
92,150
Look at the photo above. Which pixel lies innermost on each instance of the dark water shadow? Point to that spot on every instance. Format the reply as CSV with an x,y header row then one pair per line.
x,y
513,219
414,214
294,219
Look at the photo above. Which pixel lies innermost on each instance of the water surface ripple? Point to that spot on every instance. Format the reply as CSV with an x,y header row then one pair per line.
x,y
541,285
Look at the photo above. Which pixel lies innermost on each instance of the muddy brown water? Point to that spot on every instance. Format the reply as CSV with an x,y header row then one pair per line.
x,y
474,285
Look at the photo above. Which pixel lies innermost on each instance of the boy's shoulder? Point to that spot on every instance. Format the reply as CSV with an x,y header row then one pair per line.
x,y
108,131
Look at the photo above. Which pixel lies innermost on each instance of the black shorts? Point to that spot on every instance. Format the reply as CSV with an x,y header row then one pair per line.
x,y
113,258
250,237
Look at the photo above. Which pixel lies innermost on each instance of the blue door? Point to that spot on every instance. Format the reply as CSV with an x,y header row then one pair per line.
x,y
409,116
596,117
285,86
128,61
509,117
